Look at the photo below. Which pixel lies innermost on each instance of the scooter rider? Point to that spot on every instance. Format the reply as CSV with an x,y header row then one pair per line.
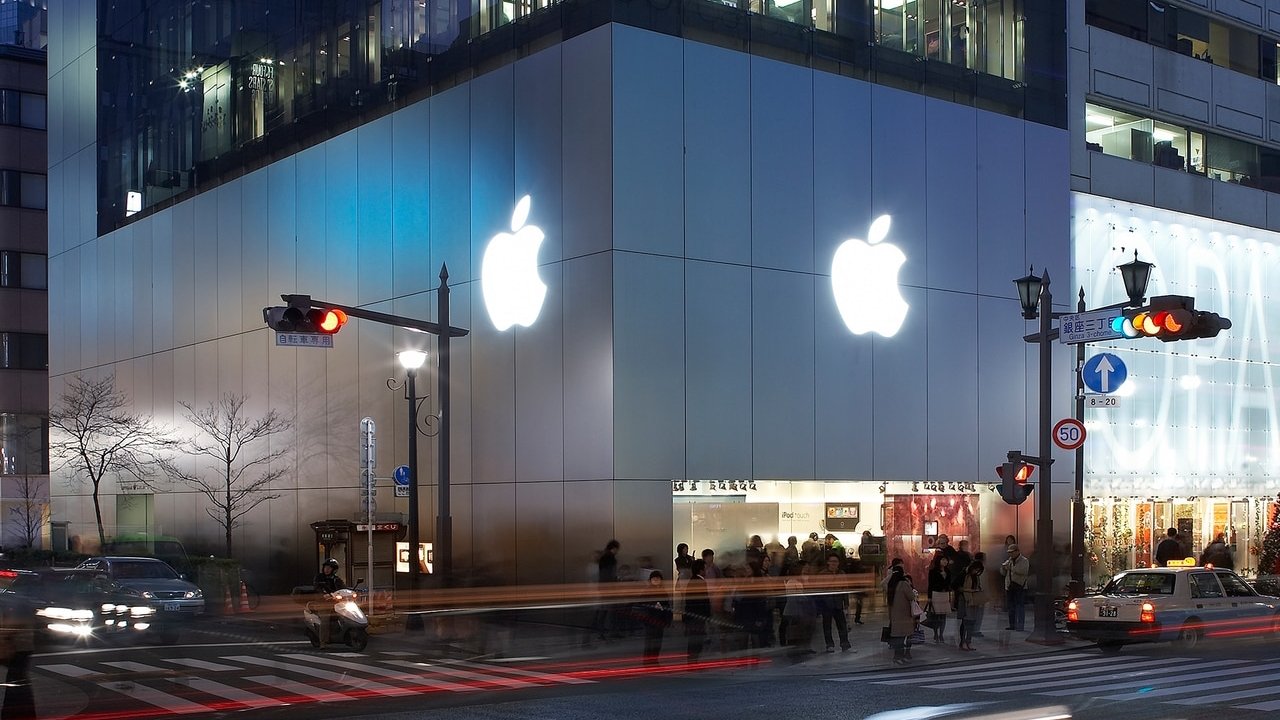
x,y
327,582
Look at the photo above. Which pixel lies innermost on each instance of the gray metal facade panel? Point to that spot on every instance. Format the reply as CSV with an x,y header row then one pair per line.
x,y
374,214
782,151
899,163
648,143
649,366
951,189
717,370
782,362
717,161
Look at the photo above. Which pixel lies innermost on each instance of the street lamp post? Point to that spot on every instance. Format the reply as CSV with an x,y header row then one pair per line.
x,y
411,361
1036,299
1037,302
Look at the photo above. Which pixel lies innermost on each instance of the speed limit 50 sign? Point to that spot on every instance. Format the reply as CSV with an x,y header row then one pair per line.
x,y
1068,434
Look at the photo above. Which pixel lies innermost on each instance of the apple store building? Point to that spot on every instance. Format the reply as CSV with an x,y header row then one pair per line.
x,y
727,270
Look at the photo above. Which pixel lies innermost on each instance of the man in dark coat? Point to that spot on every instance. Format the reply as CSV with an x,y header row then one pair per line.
x,y
1168,549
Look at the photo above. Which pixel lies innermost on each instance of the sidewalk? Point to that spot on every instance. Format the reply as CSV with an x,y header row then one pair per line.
x,y
481,639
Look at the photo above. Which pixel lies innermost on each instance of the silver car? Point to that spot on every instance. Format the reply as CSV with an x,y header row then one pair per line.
x,y
153,582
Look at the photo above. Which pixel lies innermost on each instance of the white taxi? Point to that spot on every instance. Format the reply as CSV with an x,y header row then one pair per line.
x,y
1182,604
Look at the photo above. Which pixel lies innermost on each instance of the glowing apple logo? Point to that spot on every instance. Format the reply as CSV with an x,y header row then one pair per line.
x,y
864,278
513,292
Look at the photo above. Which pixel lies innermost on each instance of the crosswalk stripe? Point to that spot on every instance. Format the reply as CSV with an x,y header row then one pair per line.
x,y
390,674
1209,685
1269,705
227,692
1136,673
1222,665
947,673
292,687
340,678
74,671
201,664
159,698
519,672
464,674
134,666
1224,697
1096,668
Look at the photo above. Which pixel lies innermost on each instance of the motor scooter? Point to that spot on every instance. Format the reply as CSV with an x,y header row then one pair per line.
x,y
347,623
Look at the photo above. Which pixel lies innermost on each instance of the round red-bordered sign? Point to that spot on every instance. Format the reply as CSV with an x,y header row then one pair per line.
x,y
1069,434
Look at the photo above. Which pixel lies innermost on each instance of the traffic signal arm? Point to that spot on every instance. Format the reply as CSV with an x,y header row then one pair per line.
x,y
378,317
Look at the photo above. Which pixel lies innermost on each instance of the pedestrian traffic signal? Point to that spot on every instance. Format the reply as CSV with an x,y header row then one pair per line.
x,y
1170,318
294,319
1013,482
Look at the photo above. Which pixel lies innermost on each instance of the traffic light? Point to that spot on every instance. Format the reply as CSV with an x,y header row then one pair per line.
x,y
313,320
1170,318
1013,482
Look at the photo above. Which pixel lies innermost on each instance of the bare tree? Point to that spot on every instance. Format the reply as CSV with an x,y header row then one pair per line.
x,y
95,433
32,507
241,477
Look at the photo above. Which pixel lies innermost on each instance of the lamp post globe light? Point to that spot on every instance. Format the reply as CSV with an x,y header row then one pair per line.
x,y
412,361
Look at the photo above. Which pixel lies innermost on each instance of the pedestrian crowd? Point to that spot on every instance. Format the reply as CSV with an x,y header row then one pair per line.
x,y
781,595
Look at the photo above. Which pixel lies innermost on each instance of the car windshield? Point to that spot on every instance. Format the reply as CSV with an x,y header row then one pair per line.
x,y
139,570
1140,583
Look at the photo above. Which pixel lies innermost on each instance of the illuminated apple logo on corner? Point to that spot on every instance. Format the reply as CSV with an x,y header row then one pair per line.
x,y
864,278
513,292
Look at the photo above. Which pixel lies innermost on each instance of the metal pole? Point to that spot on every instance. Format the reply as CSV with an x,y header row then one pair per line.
x,y
1077,503
444,522
1044,631
414,537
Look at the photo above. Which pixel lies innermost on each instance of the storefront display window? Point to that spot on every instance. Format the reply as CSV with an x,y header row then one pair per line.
x,y
905,519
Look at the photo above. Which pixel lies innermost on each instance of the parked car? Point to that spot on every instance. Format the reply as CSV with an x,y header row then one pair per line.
x,y
1178,604
72,606
153,583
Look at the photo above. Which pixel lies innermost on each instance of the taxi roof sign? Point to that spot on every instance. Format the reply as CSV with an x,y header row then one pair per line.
x,y
1185,562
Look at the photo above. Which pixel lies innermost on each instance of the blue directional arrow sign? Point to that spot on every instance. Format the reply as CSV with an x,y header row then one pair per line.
x,y
401,475
1104,373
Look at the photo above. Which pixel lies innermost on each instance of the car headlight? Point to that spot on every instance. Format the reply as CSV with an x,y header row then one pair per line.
x,y
148,595
194,595
61,613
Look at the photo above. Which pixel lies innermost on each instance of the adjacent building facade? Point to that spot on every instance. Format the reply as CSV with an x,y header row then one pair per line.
x,y
701,366
24,399
1175,153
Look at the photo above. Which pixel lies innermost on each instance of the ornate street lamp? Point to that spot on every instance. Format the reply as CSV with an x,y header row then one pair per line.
x,y
1135,275
1029,294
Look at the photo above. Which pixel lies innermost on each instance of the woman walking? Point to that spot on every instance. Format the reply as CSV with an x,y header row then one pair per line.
x,y
901,622
969,603
939,595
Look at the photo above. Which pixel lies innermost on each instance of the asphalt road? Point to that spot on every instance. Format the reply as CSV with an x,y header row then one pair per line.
x,y
270,673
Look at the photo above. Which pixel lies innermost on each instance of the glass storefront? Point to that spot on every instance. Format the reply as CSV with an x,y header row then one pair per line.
x,y
1194,443
193,93
1123,532
905,518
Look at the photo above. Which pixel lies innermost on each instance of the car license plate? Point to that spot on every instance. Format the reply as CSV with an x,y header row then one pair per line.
x,y
1108,611
172,607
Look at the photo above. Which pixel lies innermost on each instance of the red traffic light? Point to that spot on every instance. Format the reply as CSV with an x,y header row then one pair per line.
x,y
329,320
1023,474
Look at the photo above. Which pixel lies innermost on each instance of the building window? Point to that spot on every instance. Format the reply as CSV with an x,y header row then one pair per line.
x,y
24,270
982,35
22,109
24,351
25,190
1118,133
1188,33
24,444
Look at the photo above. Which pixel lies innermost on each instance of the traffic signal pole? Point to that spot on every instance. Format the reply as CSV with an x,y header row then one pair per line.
x,y
1045,631
1076,587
